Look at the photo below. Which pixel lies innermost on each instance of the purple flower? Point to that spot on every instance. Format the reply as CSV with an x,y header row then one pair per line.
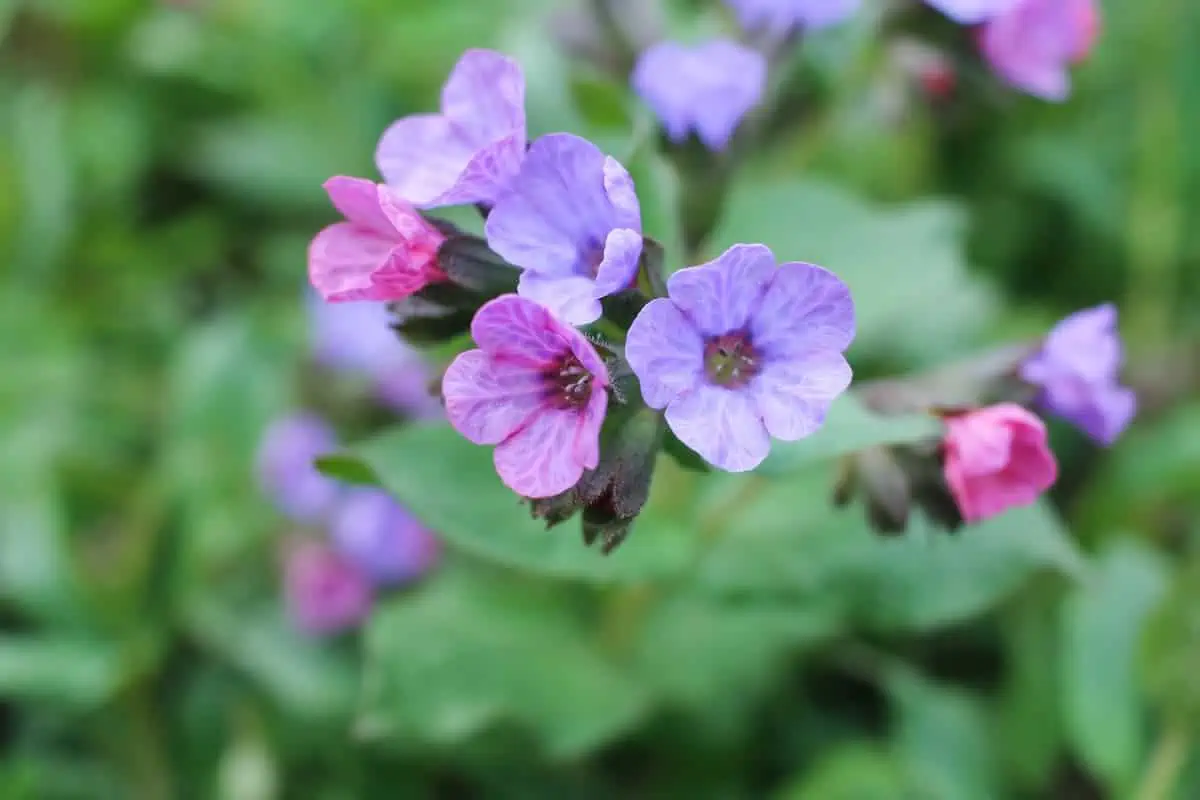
x,y
470,151
784,15
571,221
324,593
384,250
357,338
707,88
1032,44
373,532
742,351
1077,371
536,389
286,471
970,12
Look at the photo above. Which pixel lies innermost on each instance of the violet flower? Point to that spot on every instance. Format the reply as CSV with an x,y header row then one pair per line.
x,y
535,388
1034,42
468,152
374,533
786,15
571,221
286,471
742,351
324,593
1077,372
971,12
384,250
706,88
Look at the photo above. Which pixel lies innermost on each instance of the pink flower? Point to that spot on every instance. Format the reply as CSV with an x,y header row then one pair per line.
x,y
1032,44
324,593
997,458
536,388
384,250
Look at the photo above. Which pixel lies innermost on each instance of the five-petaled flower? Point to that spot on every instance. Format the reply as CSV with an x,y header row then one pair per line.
x,y
571,221
707,88
1033,43
468,152
742,351
535,388
996,458
1077,370
786,15
380,537
384,250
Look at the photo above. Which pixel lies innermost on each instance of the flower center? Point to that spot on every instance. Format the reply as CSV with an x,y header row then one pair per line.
x,y
569,384
731,360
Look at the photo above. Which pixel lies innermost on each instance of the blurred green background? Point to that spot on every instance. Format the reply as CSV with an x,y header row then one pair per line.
x,y
160,171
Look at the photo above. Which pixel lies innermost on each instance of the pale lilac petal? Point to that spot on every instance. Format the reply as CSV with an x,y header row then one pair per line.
x,y
1033,43
720,296
971,12
793,396
487,401
805,308
783,15
422,157
618,271
572,299
721,425
286,471
381,538
539,460
358,200
618,185
485,95
519,331
665,352
587,433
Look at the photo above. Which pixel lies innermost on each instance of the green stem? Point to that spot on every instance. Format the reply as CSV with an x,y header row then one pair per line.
x,y
1166,764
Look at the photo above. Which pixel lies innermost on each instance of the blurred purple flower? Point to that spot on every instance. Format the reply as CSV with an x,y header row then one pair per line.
x,y
742,351
1077,371
571,221
970,12
535,388
468,152
357,338
707,88
1033,43
384,250
324,593
373,532
784,15
285,466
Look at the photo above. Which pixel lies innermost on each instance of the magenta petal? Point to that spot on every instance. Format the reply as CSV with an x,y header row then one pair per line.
x,y
805,308
486,402
618,270
665,352
723,426
519,330
794,396
541,459
348,262
587,432
358,200
571,299
720,296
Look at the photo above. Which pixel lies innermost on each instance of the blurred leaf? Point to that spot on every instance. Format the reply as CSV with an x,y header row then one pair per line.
x,y
45,165
466,653
76,673
347,468
848,428
904,265
1171,650
1102,628
786,541
855,772
943,736
459,495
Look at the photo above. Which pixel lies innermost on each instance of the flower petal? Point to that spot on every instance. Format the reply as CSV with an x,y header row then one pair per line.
x,y
721,425
422,157
486,400
804,309
618,185
542,459
793,396
485,96
587,431
571,299
618,270
665,352
720,296
520,331
348,262
358,200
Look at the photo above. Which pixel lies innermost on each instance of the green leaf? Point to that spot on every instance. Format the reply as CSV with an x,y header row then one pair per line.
x,y
1171,650
76,673
904,265
786,541
451,484
470,652
848,428
347,468
1102,627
